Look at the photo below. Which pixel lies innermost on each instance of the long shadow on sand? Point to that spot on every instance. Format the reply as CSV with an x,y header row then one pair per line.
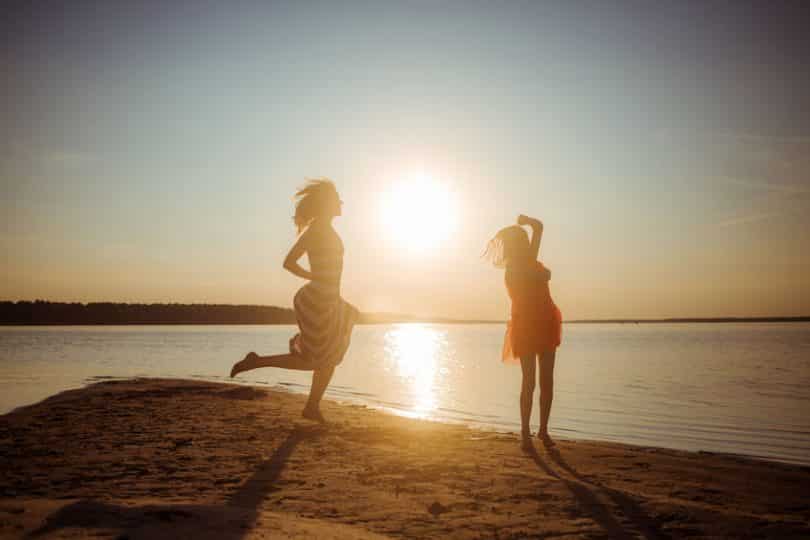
x,y
588,495
230,521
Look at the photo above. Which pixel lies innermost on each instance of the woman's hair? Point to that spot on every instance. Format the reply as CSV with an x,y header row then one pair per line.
x,y
313,200
508,244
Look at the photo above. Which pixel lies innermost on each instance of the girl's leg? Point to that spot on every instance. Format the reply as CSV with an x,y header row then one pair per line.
x,y
546,393
284,361
320,380
527,364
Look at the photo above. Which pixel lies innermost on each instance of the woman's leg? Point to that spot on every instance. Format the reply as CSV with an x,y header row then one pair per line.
x,y
527,364
320,380
546,392
284,361
320,377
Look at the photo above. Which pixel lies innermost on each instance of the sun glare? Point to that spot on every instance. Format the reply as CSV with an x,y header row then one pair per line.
x,y
418,213
416,350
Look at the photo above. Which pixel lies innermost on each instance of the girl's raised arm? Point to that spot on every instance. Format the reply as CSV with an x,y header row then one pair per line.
x,y
296,252
537,233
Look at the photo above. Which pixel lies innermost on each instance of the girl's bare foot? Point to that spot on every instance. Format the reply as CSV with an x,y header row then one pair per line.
x,y
526,442
314,414
547,441
240,366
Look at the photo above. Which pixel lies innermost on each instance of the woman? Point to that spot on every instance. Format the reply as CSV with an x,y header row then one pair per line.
x,y
325,320
534,331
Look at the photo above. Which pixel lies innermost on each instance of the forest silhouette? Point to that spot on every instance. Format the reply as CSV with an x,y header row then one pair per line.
x,y
44,312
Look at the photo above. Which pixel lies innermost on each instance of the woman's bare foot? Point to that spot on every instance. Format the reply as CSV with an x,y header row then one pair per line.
x,y
526,442
240,366
314,414
547,441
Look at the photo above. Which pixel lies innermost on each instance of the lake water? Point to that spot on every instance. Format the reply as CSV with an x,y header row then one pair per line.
x,y
740,388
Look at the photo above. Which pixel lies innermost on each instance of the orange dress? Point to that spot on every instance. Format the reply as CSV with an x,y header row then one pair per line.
x,y
536,323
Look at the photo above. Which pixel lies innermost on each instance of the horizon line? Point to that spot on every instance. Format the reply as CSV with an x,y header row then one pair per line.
x,y
384,317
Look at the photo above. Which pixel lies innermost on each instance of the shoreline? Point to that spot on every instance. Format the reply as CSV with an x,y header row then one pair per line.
x,y
388,409
162,458
477,421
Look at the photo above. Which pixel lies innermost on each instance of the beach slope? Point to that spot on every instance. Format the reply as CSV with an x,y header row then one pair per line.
x,y
154,458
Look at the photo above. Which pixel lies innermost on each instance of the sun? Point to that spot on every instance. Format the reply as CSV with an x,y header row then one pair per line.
x,y
418,213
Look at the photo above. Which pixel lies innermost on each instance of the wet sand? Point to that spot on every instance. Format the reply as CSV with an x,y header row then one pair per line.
x,y
155,458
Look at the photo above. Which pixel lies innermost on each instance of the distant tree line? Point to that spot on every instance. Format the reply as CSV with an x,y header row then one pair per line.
x,y
45,312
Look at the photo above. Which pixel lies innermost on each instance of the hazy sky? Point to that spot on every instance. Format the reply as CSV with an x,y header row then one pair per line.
x,y
151,150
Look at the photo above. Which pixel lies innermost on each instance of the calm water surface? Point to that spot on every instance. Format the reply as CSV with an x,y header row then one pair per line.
x,y
741,388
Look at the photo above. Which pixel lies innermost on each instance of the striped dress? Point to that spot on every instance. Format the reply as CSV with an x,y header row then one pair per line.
x,y
325,319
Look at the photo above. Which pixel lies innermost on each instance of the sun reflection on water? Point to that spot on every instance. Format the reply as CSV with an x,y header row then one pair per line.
x,y
414,351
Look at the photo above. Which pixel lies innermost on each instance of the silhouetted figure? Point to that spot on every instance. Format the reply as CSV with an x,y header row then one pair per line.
x,y
534,331
325,320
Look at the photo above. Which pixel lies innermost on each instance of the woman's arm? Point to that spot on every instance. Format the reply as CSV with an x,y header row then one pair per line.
x,y
296,252
537,233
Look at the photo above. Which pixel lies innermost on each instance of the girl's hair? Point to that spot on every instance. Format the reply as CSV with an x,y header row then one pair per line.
x,y
313,200
508,244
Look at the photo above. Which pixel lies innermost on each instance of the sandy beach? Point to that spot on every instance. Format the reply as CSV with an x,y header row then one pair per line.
x,y
154,458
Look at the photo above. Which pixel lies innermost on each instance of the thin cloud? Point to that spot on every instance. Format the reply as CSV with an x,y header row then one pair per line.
x,y
67,158
774,170
744,220
787,189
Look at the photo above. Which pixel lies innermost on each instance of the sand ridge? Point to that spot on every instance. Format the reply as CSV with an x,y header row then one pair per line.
x,y
158,458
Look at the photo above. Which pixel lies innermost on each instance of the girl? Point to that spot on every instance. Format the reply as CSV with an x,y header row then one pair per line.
x,y
325,320
535,328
